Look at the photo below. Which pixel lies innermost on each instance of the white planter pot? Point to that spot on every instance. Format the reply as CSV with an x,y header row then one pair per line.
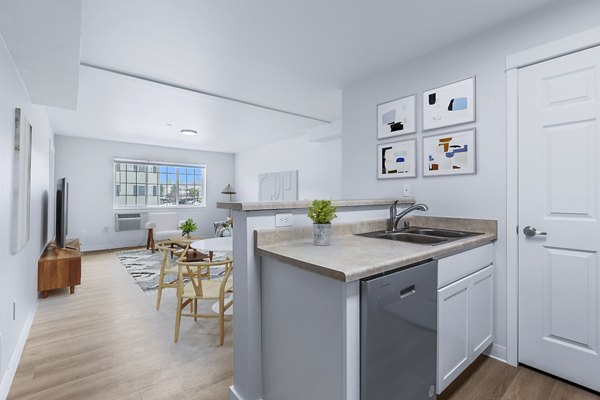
x,y
322,234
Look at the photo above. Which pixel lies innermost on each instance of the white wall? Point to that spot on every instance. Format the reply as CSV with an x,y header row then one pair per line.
x,y
88,166
477,196
18,272
318,163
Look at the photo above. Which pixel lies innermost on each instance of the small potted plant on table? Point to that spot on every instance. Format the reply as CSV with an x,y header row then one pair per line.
x,y
188,227
322,213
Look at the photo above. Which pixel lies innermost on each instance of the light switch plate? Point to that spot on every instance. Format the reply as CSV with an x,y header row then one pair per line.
x,y
406,190
282,220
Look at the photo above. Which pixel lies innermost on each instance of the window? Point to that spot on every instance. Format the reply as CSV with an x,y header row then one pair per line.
x,y
143,184
139,190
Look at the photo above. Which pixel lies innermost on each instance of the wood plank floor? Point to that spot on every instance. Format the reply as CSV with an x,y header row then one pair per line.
x,y
489,379
108,342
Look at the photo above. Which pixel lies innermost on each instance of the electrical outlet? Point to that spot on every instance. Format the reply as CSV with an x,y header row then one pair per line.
x,y
406,190
105,229
83,232
282,220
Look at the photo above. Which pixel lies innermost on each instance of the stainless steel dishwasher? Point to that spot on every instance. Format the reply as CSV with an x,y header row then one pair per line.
x,y
398,327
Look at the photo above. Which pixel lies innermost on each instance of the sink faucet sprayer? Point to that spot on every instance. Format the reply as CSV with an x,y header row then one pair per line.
x,y
395,217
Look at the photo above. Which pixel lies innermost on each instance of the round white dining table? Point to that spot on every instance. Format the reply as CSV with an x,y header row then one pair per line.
x,y
220,244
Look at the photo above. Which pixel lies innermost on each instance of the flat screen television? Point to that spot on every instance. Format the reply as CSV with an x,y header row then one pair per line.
x,y
62,212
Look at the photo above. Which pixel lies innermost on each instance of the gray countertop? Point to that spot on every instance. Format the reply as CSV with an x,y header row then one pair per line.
x,y
351,257
287,205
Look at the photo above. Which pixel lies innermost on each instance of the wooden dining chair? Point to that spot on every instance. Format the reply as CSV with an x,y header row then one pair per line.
x,y
203,289
168,267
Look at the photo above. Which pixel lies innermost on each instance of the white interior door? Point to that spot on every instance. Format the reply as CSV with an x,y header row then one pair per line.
x,y
559,277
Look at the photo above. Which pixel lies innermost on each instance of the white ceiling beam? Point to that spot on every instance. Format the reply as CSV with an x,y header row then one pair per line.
x,y
198,91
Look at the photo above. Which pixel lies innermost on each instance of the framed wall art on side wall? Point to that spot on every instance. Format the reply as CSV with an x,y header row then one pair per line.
x,y
451,153
21,181
449,105
396,117
397,159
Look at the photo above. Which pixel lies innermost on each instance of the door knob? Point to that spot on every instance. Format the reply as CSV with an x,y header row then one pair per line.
x,y
530,231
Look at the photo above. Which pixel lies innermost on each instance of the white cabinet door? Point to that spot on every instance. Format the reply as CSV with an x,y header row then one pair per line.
x,y
481,311
465,323
453,332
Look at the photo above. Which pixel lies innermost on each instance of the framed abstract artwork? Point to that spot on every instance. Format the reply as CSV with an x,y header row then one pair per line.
x,y
397,159
278,186
21,181
449,154
449,105
396,117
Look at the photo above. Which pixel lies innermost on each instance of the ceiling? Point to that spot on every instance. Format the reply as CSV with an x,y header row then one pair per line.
x,y
44,40
121,108
288,55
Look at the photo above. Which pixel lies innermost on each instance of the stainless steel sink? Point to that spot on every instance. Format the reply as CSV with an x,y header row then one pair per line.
x,y
412,238
440,232
426,236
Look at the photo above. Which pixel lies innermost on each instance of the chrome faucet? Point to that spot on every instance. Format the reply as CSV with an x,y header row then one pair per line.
x,y
393,213
395,217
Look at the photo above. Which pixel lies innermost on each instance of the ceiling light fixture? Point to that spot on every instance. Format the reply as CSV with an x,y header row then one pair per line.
x,y
188,132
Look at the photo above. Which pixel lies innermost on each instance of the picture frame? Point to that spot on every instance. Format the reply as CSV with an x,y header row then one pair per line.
x,y
397,117
278,186
449,105
451,153
397,159
21,211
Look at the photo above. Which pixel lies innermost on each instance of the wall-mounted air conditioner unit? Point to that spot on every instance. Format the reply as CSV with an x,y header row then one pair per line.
x,y
130,221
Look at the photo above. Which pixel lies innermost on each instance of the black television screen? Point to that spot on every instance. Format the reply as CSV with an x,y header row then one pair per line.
x,y
62,214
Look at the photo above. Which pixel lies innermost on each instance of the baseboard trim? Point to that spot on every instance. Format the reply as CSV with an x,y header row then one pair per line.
x,y
233,395
97,247
17,353
498,352
100,247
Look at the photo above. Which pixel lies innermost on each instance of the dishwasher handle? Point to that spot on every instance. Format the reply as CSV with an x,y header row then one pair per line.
x,y
408,291
395,295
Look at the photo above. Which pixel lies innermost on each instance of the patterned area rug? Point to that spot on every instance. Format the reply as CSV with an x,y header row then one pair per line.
x,y
144,267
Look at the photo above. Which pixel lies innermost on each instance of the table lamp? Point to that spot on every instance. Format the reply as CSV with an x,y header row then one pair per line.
x,y
230,191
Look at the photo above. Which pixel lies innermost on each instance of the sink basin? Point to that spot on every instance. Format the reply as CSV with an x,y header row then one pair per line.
x,y
412,238
440,232
426,236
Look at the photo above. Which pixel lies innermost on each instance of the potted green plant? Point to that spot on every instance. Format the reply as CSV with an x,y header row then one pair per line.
x,y
322,213
188,227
